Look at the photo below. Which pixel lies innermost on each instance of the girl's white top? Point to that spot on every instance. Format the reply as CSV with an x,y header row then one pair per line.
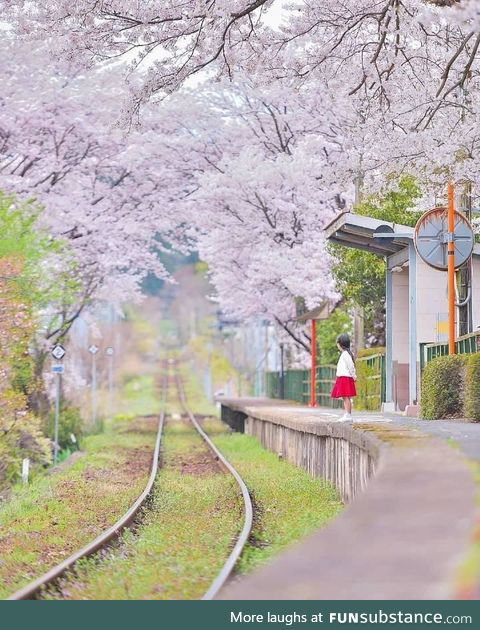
x,y
346,366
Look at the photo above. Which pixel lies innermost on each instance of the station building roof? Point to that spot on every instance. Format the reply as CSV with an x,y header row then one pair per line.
x,y
320,312
358,232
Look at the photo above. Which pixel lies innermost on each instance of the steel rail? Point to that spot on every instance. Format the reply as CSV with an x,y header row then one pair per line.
x,y
242,539
33,588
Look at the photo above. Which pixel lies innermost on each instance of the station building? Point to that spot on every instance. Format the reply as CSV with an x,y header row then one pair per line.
x,y
416,300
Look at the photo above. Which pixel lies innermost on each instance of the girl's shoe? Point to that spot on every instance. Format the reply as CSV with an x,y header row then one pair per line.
x,y
347,417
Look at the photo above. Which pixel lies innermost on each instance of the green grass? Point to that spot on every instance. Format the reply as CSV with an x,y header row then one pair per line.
x,y
45,521
182,541
289,504
140,396
194,392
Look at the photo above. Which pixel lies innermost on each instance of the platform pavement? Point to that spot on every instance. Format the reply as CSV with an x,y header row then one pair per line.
x,y
402,538
464,434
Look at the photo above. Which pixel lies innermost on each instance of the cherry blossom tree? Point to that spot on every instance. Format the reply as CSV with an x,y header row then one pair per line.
x,y
406,71
327,93
100,191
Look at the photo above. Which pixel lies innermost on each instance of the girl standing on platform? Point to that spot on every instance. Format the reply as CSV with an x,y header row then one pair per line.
x,y
344,386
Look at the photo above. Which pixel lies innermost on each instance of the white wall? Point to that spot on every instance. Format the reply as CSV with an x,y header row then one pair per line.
x,y
476,292
431,302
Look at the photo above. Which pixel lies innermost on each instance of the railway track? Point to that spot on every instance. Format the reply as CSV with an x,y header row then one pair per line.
x,y
34,589
242,539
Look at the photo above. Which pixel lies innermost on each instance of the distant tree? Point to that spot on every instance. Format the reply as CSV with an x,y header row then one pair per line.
x,y
340,321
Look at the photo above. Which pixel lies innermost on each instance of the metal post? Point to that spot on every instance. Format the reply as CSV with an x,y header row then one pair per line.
x,y
412,322
313,365
266,364
57,418
94,389
388,335
110,385
282,374
451,270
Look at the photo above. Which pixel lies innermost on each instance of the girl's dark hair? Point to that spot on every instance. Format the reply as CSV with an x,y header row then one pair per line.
x,y
343,341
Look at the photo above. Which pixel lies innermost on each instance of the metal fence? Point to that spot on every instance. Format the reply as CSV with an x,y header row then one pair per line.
x,y
294,385
468,344
370,384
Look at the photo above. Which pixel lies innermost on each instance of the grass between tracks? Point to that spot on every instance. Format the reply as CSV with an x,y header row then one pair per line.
x,y
184,538
46,521
197,513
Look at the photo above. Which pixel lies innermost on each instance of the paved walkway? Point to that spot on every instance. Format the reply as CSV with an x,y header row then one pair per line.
x,y
401,538
464,434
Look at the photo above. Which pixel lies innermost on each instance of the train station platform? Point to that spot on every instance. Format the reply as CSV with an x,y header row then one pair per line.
x,y
410,512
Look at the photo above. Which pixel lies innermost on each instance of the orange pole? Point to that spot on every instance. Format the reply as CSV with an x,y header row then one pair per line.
x,y
451,270
313,376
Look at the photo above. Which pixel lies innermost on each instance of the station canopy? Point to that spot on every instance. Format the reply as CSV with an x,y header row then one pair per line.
x,y
359,232
323,311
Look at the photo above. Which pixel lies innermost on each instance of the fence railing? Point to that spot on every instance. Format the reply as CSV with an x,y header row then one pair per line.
x,y
370,384
467,344
371,381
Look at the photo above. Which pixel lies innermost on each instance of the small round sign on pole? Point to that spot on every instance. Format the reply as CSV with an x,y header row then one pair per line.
x,y
432,238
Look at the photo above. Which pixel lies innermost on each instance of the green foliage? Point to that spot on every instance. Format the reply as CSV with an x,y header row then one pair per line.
x,y
443,387
70,422
359,275
21,238
393,205
472,387
369,382
289,504
327,333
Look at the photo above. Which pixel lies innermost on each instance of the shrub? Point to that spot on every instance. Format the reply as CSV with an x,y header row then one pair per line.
x,y
70,422
472,387
443,388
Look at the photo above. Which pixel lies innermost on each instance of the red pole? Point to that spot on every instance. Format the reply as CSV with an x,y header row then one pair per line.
x,y
451,271
313,375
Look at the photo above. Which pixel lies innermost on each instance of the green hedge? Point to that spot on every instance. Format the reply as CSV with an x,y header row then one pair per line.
x,y
472,387
451,388
443,388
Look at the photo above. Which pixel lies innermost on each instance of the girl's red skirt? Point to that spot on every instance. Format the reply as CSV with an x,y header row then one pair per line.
x,y
344,387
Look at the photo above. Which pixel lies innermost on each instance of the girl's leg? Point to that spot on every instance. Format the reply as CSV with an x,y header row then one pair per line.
x,y
347,404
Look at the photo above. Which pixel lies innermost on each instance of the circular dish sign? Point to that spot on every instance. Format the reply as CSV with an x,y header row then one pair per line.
x,y
431,238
